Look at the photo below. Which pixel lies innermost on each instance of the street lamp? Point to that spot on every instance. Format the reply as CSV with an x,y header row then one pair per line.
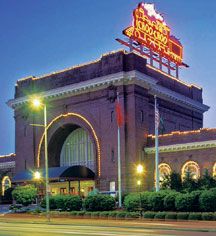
x,y
139,171
36,102
37,175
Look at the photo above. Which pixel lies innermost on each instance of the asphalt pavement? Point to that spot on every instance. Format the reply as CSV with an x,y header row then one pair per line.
x,y
81,227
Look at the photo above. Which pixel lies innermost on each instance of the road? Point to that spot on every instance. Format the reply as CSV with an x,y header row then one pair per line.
x,y
98,228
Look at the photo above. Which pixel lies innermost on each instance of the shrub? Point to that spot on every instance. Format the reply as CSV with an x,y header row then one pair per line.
x,y
113,213
182,216
64,202
121,214
195,216
169,201
195,200
149,215
172,181
207,201
156,200
95,213
160,215
73,203
133,215
171,215
80,213
207,216
183,202
99,203
24,195
132,202
73,213
104,213
7,198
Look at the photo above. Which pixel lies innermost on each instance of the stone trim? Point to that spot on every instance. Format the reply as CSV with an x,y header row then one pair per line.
x,y
132,77
182,147
7,165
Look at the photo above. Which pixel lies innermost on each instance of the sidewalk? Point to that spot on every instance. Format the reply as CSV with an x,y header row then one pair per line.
x,y
199,226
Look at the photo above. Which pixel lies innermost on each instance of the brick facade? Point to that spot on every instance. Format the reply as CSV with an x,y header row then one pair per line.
x,y
94,99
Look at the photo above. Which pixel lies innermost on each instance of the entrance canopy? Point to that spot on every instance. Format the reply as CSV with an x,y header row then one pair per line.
x,y
56,173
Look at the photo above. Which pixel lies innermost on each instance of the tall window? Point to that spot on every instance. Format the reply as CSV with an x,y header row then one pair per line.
x,y
214,170
164,170
6,183
192,168
78,150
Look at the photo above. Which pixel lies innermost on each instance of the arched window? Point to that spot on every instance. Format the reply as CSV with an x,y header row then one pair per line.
x,y
214,170
191,167
6,183
164,170
78,150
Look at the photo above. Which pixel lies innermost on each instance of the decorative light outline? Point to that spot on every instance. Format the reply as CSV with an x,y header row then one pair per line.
x,y
3,183
8,155
214,170
86,121
188,163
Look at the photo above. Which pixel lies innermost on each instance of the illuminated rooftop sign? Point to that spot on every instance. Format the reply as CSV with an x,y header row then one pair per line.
x,y
149,29
150,36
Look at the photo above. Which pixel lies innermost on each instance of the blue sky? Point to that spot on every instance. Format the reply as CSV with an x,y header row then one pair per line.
x,y
41,36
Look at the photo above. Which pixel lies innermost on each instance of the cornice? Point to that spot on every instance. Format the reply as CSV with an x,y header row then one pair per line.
x,y
132,77
182,147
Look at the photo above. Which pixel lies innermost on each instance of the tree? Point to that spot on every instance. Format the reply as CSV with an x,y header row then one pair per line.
x,y
189,184
25,195
207,181
172,181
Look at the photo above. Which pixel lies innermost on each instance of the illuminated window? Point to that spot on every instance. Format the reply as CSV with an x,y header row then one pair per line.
x,y
214,170
78,150
6,183
192,168
164,170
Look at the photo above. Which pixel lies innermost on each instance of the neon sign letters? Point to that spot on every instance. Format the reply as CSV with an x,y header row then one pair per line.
x,y
150,30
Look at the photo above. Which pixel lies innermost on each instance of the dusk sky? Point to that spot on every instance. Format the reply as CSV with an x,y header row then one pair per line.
x,y
41,36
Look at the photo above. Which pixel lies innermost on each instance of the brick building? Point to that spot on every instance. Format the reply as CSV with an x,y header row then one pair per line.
x,y
82,128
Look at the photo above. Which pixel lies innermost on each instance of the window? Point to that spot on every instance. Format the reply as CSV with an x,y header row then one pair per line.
x,y
164,170
6,183
112,116
214,170
141,116
63,191
78,150
192,168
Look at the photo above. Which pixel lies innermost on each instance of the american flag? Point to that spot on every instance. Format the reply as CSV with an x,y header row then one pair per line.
x,y
157,118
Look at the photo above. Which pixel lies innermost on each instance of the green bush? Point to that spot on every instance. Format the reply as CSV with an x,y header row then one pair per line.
x,y
169,201
80,213
7,198
195,216
73,213
184,202
73,203
182,216
171,216
149,215
160,215
99,202
104,213
95,213
121,214
24,195
156,200
132,202
113,213
207,216
64,202
195,200
133,215
207,201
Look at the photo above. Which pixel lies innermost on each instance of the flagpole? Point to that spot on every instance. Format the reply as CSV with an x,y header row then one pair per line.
x,y
156,147
119,164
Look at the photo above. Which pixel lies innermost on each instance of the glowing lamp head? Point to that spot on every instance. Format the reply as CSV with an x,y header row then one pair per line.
x,y
139,169
36,102
37,175
138,182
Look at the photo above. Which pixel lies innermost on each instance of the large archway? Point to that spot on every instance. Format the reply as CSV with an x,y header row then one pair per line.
x,y
64,127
